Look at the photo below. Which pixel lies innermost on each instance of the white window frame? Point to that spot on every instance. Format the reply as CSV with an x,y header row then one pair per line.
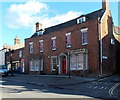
x,y
81,20
41,64
52,69
20,53
40,33
41,41
71,68
82,63
86,64
66,40
53,38
31,65
31,51
82,31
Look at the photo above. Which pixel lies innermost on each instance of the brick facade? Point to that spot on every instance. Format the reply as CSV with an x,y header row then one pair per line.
x,y
87,56
17,59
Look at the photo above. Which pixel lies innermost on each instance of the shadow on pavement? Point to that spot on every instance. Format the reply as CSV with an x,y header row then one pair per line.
x,y
11,81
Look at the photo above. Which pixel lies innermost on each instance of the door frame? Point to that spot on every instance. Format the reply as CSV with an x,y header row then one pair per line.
x,y
60,63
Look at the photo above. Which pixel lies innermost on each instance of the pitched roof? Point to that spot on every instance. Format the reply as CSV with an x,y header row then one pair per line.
x,y
90,16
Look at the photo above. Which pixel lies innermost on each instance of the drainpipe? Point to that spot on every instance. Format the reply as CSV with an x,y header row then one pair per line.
x,y
69,62
101,50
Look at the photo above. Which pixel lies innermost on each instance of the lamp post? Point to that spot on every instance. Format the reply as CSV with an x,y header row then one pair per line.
x,y
10,55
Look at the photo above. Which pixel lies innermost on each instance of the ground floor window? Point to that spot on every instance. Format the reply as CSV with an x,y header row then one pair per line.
x,y
78,62
41,64
54,63
31,65
23,66
36,65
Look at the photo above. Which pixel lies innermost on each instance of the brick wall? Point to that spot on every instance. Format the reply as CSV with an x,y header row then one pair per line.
x,y
76,39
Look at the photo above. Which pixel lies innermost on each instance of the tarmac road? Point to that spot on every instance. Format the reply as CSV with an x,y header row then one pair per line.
x,y
18,87
22,90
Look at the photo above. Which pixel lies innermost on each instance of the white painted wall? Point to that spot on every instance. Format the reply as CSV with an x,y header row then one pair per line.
x,y
2,57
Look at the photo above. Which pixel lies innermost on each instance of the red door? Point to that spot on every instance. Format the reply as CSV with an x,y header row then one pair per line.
x,y
64,66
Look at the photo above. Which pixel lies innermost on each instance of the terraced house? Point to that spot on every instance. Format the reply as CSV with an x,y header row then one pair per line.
x,y
80,46
15,54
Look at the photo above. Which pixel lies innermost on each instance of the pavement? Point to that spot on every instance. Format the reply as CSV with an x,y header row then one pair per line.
x,y
105,87
49,80
52,80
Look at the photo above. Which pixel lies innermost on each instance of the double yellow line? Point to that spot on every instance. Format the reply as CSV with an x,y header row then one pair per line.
x,y
113,88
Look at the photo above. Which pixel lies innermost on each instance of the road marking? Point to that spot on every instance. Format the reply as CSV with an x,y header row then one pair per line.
x,y
95,87
105,88
113,88
101,87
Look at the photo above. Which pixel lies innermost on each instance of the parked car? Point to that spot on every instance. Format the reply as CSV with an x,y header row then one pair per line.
x,y
3,70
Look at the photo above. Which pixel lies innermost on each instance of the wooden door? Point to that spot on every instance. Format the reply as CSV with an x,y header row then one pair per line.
x,y
64,66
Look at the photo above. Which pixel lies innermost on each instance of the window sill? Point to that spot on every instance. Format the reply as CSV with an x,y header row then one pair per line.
x,y
53,70
74,69
54,49
68,46
84,43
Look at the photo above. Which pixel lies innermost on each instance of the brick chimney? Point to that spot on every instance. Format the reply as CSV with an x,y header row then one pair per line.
x,y
105,4
16,40
38,26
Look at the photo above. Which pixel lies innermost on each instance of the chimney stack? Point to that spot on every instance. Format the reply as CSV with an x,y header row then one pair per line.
x,y
38,26
16,40
105,4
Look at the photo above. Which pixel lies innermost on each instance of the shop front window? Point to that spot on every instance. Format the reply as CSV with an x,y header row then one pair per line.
x,y
76,62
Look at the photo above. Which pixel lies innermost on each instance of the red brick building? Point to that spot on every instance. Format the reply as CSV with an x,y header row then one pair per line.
x,y
116,33
16,54
79,46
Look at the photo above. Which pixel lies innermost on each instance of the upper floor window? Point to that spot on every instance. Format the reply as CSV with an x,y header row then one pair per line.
x,y
84,36
20,53
68,40
31,47
81,20
53,43
41,45
76,62
40,33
